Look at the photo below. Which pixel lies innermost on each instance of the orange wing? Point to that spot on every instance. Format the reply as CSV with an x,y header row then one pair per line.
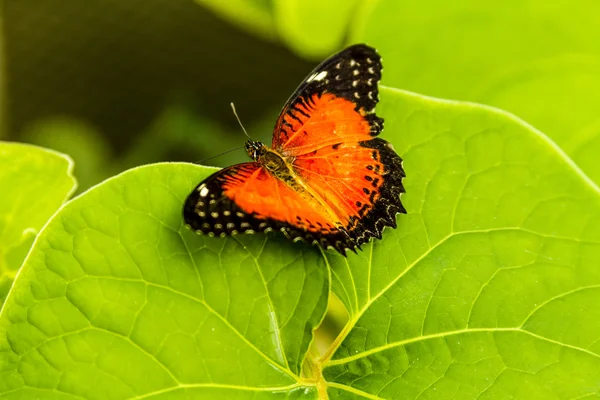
x,y
360,181
245,198
334,104
328,127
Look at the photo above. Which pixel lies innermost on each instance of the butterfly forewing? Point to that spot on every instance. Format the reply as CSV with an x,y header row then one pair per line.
x,y
336,102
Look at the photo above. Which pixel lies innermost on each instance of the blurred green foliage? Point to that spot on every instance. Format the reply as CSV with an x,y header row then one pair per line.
x,y
35,182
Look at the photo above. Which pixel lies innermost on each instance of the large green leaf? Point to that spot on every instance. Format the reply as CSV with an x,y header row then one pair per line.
x,y
487,289
118,299
34,182
539,60
490,285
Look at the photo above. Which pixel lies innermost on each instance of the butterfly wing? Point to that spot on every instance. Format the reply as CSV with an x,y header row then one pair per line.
x,y
334,104
347,182
246,198
360,181
329,126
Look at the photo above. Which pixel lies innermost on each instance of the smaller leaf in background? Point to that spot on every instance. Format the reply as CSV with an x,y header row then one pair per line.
x,y
82,142
34,182
118,299
255,16
314,28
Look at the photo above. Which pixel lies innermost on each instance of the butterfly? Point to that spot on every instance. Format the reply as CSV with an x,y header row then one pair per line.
x,y
326,179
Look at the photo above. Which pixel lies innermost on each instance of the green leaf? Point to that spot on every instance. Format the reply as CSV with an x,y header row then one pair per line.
x,y
255,16
487,289
34,182
559,96
118,299
536,59
313,28
489,286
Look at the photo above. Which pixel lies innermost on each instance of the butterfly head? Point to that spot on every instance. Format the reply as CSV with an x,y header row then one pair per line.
x,y
255,149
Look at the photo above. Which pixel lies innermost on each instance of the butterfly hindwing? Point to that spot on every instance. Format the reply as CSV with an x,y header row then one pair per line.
x,y
246,198
360,181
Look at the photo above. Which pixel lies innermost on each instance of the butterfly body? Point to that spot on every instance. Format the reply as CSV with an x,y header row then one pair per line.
x,y
277,164
326,179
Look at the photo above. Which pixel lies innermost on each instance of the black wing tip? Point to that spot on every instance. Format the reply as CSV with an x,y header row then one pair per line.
x,y
360,49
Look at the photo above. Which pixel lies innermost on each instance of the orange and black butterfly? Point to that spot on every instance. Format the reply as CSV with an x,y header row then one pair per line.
x,y
326,179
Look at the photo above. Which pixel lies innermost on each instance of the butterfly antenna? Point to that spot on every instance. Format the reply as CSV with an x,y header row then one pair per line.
x,y
239,121
218,155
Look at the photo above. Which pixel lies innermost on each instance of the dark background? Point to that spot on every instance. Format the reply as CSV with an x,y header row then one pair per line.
x,y
117,84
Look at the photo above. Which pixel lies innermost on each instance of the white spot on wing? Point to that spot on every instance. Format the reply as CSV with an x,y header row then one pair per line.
x,y
317,76
203,190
